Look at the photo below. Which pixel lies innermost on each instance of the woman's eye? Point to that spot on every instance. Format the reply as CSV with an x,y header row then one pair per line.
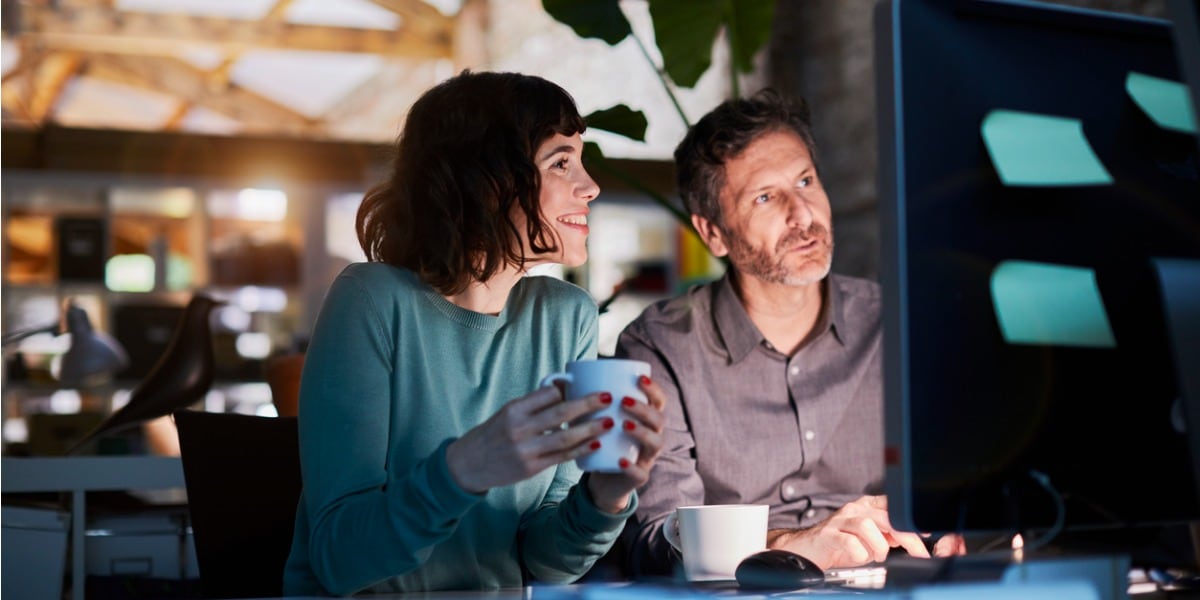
x,y
560,163
807,181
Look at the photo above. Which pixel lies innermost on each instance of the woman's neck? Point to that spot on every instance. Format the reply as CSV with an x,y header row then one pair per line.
x,y
487,297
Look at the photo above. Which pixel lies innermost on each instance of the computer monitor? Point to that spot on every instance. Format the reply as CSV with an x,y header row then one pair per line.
x,y
1033,167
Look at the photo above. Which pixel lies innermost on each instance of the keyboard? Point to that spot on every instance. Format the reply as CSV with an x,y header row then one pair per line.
x,y
870,577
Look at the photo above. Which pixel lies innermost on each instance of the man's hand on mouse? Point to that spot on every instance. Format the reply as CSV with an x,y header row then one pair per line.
x,y
857,534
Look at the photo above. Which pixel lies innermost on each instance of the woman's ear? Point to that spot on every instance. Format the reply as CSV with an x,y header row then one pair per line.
x,y
711,235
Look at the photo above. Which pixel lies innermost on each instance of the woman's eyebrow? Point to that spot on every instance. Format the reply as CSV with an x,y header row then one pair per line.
x,y
563,148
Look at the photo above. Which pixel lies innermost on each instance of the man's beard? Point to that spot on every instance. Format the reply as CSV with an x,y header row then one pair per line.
x,y
771,266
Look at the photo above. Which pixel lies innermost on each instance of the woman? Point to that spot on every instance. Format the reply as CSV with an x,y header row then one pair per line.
x,y
427,461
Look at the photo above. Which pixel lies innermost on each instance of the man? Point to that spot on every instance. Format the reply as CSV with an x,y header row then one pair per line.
x,y
773,372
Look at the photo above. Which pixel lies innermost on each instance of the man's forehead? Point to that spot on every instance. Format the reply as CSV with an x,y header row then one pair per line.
x,y
767,157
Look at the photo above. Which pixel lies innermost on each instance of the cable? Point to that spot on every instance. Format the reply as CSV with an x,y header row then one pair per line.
x,y
1060,512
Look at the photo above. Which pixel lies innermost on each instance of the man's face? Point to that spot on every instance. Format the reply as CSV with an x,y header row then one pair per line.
x,y
777,218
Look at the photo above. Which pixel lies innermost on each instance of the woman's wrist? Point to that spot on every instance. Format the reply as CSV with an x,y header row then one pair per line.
x,y
608,505
456,468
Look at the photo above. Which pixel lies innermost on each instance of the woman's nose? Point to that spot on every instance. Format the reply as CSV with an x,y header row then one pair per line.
x,y
588,188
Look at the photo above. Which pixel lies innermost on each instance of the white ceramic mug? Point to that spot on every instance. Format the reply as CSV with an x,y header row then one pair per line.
x,y
618,377
714,539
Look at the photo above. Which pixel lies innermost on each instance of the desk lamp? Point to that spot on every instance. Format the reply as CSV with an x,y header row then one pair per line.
x,y
91,352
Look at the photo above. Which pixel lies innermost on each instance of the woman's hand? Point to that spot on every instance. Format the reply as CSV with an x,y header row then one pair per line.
x,y
523,438
611,491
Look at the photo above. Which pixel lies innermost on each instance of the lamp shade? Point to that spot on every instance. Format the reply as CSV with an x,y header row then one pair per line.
x,y
91,353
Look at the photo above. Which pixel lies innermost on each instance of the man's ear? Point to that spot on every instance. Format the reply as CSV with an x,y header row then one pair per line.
x,y
711,235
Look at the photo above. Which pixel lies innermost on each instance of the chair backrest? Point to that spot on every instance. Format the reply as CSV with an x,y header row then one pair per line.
x,y
243,483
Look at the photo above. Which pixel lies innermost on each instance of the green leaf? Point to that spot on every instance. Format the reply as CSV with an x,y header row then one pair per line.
x,y
621,120
601,19
592,154
685,31
750,28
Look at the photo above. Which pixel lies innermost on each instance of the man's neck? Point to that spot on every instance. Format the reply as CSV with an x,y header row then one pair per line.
x,y
785,314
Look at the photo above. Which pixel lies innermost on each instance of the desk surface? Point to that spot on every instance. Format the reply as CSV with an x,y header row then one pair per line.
x,y
90,473
1045,590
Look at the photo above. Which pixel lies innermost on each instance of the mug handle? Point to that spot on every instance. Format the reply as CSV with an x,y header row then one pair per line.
x,y
670,530
555,378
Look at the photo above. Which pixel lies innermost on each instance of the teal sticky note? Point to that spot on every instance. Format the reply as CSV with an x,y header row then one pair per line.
x,y
1167,103
1030,149
1050,305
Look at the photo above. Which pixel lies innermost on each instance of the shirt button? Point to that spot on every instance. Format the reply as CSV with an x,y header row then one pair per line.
x,y
810,513
789,492
810,435
794,370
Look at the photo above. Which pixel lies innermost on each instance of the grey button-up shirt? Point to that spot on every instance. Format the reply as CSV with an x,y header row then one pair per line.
x,y
749,424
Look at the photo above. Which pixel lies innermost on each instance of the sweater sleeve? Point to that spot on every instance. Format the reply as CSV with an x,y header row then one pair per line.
x,y
563,539
366,524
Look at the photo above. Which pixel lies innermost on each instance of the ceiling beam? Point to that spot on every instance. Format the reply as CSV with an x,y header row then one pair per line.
x,y
253,111
16,93
49,79
114,31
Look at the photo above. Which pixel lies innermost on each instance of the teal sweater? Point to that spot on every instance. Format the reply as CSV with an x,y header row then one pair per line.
x,y
394,373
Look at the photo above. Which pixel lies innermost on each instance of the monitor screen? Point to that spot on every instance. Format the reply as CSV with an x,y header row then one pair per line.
x,y
1035,163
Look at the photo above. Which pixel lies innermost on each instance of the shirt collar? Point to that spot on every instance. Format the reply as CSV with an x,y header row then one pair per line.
x,y
741,335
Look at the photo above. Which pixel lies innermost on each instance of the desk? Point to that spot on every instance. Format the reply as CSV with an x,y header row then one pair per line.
x,y
79,475
1049,590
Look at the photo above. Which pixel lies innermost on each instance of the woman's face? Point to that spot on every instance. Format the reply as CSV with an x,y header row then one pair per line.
x,y
566,191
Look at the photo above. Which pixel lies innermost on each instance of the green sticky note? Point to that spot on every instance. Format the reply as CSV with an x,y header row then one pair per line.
x,y
1030,149
1050,305
1168,103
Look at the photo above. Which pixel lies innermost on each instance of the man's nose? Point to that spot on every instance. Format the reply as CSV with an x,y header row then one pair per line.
x,y
800,212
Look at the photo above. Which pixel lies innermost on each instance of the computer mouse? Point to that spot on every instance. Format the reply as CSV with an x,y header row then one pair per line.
x,y
778,570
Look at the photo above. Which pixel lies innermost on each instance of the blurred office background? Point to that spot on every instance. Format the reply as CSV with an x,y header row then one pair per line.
x,y
153,149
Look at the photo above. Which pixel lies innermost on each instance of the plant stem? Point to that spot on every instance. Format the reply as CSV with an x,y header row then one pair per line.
x,y
662,78
731,32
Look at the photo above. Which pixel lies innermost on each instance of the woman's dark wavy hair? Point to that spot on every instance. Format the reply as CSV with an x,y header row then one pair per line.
x,y
463,160
723,134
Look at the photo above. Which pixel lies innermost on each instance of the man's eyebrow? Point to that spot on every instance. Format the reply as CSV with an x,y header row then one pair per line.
x,y
569,149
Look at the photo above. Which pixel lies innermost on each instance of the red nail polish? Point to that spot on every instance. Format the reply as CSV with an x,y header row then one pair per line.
x,y
605,398
595,445
642,379
627,401
623,463
607,423
630,426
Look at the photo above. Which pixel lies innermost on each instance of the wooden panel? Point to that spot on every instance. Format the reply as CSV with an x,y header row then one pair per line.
x,y
248,159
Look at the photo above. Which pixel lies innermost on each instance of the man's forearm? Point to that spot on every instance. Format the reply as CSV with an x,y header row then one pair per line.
x,y
778,538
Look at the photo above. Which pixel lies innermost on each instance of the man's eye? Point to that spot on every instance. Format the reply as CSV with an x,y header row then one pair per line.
x,y
807,181
762,198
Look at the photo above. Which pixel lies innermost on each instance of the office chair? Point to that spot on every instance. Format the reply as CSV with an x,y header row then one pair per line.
x,y
242,475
